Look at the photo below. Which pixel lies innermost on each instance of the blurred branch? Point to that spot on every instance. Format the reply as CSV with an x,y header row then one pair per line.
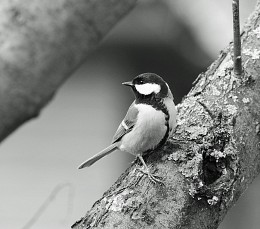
x,y
48,201
41,44
203,178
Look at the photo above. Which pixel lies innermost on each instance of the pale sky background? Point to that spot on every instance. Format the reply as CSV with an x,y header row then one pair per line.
x,y
86,111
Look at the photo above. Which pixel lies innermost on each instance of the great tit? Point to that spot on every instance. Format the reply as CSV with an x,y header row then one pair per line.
x,y
148,123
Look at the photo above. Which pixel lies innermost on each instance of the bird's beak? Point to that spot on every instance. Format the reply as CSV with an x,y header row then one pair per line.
x,y
130,84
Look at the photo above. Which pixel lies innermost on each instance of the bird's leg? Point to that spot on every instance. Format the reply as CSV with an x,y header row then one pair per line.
x,y
147,171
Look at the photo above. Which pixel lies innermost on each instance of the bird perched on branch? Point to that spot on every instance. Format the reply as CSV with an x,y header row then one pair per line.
x,y
149,121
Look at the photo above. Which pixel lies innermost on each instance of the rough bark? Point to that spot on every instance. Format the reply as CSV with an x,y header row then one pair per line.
x,y
204,176
41,44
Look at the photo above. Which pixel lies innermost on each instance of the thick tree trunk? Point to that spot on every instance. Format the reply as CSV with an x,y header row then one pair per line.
x,y
204,177
41,44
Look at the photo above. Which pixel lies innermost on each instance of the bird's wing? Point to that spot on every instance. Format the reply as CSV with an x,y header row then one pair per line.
x,y
127,124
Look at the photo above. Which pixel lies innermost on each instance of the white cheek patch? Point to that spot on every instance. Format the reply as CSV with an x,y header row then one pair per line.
x,y
148,88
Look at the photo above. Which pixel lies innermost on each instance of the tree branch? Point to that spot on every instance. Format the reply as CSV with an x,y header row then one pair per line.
x,y
237,40
41,44
204,177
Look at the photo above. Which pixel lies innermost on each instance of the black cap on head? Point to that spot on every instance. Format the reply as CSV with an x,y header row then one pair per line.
x,y
150,78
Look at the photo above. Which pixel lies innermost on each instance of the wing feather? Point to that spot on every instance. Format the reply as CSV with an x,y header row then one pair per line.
x,y
127,124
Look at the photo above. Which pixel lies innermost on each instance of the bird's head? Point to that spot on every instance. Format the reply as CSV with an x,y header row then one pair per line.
x,y
149,86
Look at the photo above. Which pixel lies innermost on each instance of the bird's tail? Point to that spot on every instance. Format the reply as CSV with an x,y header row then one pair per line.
x,y
98,156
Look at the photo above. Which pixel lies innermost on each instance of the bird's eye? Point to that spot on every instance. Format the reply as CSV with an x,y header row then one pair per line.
x,y
141,82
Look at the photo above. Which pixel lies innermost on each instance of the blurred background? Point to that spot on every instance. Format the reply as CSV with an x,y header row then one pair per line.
x,y
176,39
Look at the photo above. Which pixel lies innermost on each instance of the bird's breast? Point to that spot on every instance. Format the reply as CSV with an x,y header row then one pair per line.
x,y
149,130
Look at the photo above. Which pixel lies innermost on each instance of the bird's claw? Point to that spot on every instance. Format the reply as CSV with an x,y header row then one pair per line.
x,y
153,178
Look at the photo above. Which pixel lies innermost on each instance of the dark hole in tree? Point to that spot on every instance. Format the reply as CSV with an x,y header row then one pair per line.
x,y
211,167
211,171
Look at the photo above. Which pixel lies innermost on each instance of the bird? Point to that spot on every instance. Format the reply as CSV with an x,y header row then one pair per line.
x,y
148,123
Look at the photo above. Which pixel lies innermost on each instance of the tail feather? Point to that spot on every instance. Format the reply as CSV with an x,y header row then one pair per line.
x,y
98,156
